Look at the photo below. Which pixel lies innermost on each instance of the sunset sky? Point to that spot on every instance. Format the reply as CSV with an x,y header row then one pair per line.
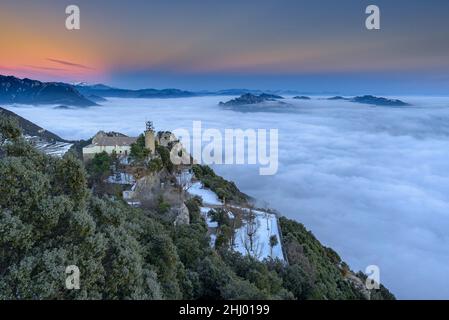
x,y
312,46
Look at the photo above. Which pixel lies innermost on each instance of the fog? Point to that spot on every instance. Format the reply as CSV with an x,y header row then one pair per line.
x,y
371,182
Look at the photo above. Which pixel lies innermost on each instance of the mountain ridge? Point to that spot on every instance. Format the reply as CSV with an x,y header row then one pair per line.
x,y
30,128
28,91
105,91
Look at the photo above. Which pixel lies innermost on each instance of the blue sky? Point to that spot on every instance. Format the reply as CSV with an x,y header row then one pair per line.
x,y
317,46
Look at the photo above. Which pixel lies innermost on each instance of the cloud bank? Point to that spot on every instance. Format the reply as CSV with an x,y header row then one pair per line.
x,y
372,182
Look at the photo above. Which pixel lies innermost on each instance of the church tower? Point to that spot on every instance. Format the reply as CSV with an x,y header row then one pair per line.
x,y
149,137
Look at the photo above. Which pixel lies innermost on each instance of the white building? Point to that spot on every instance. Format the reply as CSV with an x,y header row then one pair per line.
x,y
108,142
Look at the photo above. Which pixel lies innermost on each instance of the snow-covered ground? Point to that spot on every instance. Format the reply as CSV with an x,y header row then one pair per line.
x,y
213,238
265,225
121,178
208,196
124,160
52,148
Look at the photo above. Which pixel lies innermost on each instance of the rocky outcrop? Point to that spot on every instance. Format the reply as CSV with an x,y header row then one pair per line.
x,y
359,285
165,138
149,191
148,188
181,214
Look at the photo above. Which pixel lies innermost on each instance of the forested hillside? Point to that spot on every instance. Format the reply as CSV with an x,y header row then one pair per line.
x,y
50,219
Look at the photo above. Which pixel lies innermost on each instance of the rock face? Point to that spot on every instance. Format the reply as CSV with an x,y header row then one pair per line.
x,y
26,91
153,187
182,214
165,138
148,188
248,99
359,285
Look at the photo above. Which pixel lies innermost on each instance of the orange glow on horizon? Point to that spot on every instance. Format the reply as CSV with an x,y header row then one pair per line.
x,y
29,52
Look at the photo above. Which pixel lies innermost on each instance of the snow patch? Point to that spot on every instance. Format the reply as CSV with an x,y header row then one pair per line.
x,y
265,225
208,196
52,148
121,178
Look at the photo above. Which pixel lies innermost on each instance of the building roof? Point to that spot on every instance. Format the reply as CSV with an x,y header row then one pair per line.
x,y
112,139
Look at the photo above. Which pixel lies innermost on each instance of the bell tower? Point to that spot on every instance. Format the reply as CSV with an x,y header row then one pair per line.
x,y
149,137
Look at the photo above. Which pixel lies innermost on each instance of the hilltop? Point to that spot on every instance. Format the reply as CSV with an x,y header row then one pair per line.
x,y
250,99
379,101
373,100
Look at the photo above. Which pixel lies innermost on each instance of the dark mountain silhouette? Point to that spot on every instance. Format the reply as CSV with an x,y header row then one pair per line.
x,y
27,91
379,101
373,100
301,98
100,90
248,99
337,98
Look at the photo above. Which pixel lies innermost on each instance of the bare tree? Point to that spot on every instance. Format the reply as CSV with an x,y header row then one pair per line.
x,y
232,224
257,247
251,227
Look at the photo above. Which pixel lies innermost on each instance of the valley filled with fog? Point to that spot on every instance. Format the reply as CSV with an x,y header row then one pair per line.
x,y
371,182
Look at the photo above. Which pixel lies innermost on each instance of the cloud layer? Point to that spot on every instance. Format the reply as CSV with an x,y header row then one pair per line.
x,y
372,182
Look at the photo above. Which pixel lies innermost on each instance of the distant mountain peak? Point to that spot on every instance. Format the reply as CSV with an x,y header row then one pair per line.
x,y
28,91
101,90
379,101
83,84
249,98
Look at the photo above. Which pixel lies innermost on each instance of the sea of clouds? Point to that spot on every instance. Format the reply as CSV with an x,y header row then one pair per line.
x,y
371,182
